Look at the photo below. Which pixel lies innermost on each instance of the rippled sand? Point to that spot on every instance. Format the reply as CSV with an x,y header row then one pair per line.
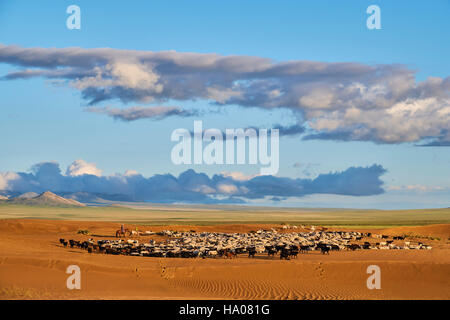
x,y
33,265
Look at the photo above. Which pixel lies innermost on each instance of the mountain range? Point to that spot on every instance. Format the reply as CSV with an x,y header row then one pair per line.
x,y
46,198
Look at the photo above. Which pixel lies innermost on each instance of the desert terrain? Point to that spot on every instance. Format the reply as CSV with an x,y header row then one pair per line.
x,y
33,265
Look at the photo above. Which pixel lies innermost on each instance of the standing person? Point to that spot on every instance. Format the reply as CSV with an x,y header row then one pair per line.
x,y
122,229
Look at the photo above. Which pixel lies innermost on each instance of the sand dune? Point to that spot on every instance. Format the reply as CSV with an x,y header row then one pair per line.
x,y
33,265
439,231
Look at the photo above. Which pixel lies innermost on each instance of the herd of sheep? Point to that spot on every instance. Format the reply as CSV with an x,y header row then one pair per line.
x,y
270,242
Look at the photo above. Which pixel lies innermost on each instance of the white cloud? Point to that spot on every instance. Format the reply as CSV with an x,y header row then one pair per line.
x,y
319,98
130,173
237,175
6,178
81,167
341,101
406,121
205,189
227,188
222,95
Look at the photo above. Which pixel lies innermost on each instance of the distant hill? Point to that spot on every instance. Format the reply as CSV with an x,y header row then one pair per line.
x,y
97,198
28,195
45,199
2,198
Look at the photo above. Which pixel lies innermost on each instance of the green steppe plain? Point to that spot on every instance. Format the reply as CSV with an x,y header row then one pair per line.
x,y
211,215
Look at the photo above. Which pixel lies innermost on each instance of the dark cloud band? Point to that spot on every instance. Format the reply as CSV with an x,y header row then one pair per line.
x,y
137,113
190,186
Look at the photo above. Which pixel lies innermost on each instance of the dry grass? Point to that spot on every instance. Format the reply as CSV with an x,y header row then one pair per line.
x,y
242,215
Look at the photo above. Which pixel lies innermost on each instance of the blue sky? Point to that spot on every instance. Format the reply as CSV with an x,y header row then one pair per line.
x,y
41,121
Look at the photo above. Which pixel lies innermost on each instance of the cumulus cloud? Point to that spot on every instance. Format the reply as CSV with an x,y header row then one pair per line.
x,y
137,113
239,176
405,121
6,178
81,167
338,101
227,189
189,186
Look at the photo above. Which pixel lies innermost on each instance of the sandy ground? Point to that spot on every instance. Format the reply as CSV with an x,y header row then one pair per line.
x,y
33,266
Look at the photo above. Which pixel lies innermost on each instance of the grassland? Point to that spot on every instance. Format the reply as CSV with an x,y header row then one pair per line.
x,y
167,215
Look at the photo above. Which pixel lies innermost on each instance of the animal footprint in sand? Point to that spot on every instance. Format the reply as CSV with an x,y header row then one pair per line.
x,y
166,272
136,271
321,271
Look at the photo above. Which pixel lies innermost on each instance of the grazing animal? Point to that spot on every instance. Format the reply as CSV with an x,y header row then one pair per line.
x,y
188,254
84,245
111,251
304,249
334,247
293,252
271,252
230,254
353,247
229,245
221,252
285,253
171,254
212,253
74,243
